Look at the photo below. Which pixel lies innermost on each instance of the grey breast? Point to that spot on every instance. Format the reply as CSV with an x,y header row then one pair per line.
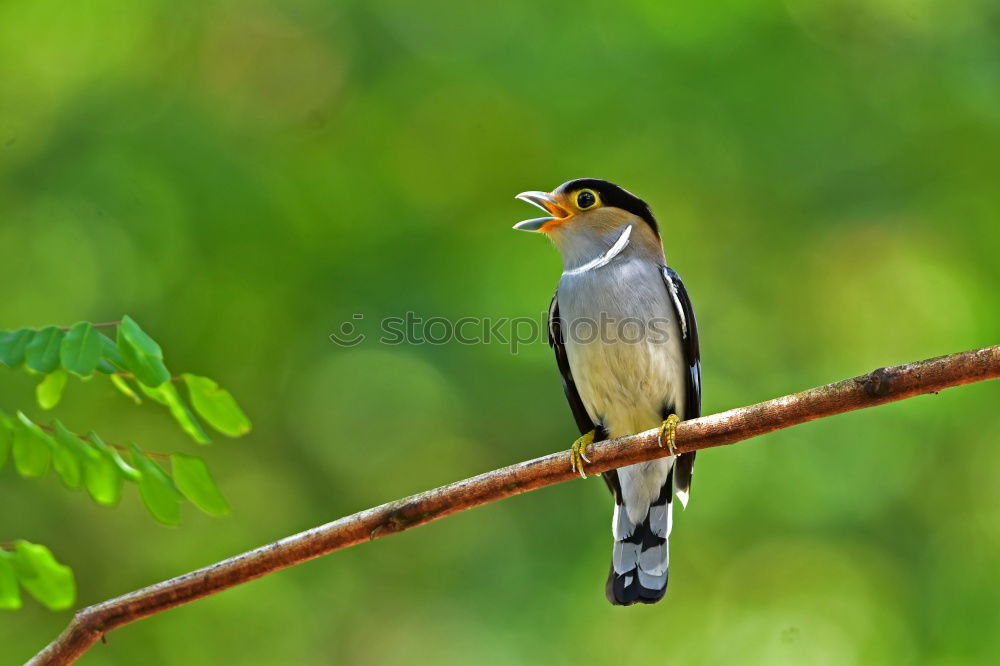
x,y
623,343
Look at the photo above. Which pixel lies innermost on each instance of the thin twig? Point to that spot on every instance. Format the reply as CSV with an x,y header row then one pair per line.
x,y
129,375
875,388
103,324
119,447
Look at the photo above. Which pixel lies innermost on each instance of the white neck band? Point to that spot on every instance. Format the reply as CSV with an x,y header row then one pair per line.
x,y
605,258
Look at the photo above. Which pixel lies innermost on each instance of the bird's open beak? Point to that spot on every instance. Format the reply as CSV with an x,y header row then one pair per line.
x,y
556,213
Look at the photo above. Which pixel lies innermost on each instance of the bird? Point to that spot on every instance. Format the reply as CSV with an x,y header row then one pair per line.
x,y
625,338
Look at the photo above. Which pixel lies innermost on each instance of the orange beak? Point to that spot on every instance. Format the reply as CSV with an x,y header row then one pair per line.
x,y
557,214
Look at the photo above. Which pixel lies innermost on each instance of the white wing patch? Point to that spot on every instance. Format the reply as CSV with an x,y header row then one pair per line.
x,y
677,303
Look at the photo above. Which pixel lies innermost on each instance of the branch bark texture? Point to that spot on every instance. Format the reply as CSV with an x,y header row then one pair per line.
x,y
875,388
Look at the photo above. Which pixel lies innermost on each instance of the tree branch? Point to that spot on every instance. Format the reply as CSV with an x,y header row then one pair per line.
x,y
875,388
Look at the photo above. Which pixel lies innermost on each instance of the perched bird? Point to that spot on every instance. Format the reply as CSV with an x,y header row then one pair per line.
x,y
626,343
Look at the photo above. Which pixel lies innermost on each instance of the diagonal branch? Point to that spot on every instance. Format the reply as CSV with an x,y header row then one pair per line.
x,y
875,388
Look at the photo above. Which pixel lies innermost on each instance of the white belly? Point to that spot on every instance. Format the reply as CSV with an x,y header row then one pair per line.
x,y
626,387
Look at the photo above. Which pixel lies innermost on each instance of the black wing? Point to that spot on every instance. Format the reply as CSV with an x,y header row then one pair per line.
x,y
692,356
558,344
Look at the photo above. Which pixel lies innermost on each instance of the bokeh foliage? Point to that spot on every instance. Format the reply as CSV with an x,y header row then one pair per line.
x,y
86,461
244,177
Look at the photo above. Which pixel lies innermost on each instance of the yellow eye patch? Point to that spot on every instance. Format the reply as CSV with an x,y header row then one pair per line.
x,y
587,199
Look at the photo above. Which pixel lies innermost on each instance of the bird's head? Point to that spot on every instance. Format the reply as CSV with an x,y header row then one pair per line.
x,y
585,204
585,214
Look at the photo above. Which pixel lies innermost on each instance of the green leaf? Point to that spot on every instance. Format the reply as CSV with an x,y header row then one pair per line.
x,y
122,385
125,470
49,390
157,490
32,448
154,394
102,481
12,346
43,577
195,482
167,395
104,367
142,356
66,459
10,594
109,352
68,466
216,406
72,442
81,349
6,437
42,352
102,475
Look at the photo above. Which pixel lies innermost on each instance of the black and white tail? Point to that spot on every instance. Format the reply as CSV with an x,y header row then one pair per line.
x,y
639,563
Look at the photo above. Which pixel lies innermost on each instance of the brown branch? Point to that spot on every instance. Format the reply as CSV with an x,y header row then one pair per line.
x,y
876,388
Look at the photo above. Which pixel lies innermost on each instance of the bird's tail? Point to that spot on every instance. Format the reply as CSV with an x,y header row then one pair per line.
x,y
641,556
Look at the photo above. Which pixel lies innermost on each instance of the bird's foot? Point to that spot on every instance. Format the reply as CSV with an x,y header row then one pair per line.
x,y
578,453
668,434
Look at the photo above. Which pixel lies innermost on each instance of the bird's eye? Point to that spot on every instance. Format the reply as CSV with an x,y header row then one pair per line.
x,y
586,199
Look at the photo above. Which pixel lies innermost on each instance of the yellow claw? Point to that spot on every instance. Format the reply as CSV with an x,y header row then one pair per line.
x,y
578,453
668,432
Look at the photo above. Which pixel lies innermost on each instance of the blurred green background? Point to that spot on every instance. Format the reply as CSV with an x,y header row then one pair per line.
x,y
243,177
